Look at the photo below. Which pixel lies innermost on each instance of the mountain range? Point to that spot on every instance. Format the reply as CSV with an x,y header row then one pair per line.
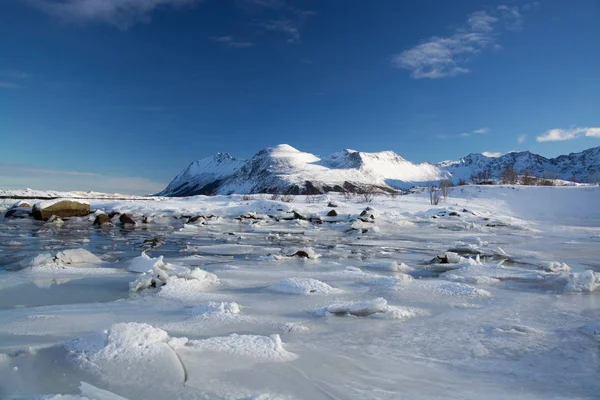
x,y
284,169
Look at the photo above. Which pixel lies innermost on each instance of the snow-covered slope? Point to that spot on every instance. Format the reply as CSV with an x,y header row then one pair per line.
x,y
285,169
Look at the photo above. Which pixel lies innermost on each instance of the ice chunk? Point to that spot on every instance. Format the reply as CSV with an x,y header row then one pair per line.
x,y
305,286
217,308
518,330
555,266
587,281
258,348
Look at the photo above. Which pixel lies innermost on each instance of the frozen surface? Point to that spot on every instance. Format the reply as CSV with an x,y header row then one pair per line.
x,y
493,294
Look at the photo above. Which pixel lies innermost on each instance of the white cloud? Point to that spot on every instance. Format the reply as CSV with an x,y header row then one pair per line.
x,y
465,134
592,132
232,42
440,57
556,135
522,138
13,176
122,13
491,154
482,130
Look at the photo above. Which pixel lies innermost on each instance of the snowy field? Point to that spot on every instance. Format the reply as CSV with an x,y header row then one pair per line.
x,y
490,295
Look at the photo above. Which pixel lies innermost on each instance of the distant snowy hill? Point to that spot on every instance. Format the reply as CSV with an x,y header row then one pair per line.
x,y
285,169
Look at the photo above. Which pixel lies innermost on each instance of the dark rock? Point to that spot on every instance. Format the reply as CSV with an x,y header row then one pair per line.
x,y
154,242
301,254
125,219
454,214
332,213
441,259
113,214
465,210
102,219
364,231
17,213
194,219
62,209
316,220
295,215
332,204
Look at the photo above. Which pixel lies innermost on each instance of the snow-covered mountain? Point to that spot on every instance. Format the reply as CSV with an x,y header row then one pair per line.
x,y
285,169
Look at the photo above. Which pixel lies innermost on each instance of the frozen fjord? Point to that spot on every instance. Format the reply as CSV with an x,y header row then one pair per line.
x,y
233,309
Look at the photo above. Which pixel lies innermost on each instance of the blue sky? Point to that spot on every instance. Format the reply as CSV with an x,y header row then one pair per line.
x,y
123,94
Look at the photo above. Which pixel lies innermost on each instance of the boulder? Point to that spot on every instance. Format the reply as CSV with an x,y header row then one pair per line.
x,y
332,204
332,213
62,209
125,219
102,219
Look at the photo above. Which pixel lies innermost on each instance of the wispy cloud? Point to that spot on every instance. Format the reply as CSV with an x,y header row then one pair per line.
x,y
491,154
121,13
440,57
8,85
479,131
232,42
522,138
557,135
289,26
14,176
9,76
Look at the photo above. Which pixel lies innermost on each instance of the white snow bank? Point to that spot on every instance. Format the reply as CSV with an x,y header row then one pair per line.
x,y
306,286
259,348
129,352
388,280
586,281
376,308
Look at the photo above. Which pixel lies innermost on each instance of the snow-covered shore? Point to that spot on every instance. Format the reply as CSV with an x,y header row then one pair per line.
x,y
493,294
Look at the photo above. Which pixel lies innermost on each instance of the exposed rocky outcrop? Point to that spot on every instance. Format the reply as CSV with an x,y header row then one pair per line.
x,y
63,209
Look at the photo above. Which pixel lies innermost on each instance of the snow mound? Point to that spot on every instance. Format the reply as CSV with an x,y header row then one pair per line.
x,y
555,266
450,289
189,291
390,266
592,329
376,308
305,286
161,273
388,280
66,258
129,352
76,256
518,330
579,282
259,348
217,308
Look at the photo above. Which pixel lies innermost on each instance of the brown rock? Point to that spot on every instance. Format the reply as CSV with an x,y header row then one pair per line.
x,y
62,209
194,219
332,213
102,219
125,219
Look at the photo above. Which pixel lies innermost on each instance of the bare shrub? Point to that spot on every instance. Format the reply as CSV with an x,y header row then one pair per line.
x,y
348,195
288,198
527,179
462,182
394,194
434,195
509,176
368,194
311,198
445,185
545,182
483,177
247,197
275,196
